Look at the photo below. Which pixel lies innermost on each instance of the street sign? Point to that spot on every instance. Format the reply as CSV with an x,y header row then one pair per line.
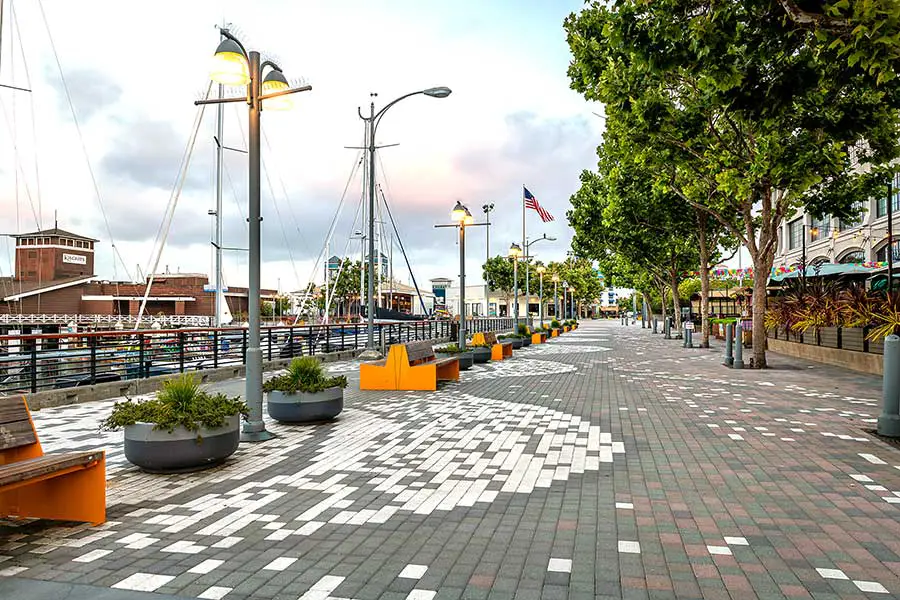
x,y
689,325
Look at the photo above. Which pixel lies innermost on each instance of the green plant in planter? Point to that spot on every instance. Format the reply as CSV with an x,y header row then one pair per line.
x,y
545,327
554,324
180,402
451,349
304,375
522,330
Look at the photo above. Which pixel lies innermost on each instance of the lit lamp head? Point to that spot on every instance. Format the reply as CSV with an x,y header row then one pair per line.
x,y
275,82
555,278
461,215
515,251
813,232
541,269
229,65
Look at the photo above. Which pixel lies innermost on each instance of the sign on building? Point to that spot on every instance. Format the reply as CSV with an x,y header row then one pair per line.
x,y
74,259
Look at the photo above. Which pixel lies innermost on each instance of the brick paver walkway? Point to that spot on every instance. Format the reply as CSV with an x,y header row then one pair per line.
x,y
609,463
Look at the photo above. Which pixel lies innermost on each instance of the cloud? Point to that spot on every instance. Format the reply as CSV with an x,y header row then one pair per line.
x,y
92,92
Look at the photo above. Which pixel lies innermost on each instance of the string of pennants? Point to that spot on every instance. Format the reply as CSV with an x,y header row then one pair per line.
x,y
722,273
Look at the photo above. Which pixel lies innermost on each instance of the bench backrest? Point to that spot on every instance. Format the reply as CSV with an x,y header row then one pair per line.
x,y
16,429
490,338
419,351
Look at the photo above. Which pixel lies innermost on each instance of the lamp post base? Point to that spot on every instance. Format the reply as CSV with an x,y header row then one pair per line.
x,y
371,354
256,432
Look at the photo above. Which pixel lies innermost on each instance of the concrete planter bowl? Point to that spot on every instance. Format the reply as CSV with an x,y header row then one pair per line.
x,y
526,341
481,354
466,359
181,451
302,407
516,342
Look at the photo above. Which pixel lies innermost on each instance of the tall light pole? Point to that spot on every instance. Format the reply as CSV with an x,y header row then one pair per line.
x,y
565,300
555,296
515,251
462,219
487,247
541,269
372,122
545,237
235,66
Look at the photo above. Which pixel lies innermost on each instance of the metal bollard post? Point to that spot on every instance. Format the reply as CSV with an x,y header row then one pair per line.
x,y
667,329
729,334
889,420
655,325
738,346
684,339
689,338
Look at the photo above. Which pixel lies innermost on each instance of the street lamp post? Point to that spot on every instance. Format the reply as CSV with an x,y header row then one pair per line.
x,y
565,306
515,251
545,237
487,246
462,218
541,269
555,296
235,66
372,122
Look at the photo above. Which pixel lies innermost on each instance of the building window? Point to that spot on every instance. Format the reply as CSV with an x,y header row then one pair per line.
x,y
881,255
881,205
32,254
857,256
795,233
819,229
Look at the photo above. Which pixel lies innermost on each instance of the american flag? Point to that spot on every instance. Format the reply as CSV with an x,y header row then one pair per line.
x,y
531,202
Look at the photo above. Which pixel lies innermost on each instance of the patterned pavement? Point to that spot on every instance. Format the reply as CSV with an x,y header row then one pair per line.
x,y
609,463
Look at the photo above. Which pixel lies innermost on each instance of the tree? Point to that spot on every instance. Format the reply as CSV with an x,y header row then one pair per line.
x,y
753,118
498,273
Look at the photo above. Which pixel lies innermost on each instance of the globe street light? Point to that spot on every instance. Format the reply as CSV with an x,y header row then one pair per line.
x,y
515,251
540,270
372,122
234,65
462,218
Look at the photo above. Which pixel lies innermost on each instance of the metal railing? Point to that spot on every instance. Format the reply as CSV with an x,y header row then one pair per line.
x,y
34,362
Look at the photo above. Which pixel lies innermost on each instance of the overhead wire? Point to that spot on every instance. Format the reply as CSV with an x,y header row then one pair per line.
x,y
173,203
116,253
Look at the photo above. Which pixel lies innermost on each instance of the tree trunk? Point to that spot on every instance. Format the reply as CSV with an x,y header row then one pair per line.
x,y
676,303
704,279
662,303
762,266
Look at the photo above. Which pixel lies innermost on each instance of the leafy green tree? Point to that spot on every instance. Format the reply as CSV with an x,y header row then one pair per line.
x,y
498,273
753,118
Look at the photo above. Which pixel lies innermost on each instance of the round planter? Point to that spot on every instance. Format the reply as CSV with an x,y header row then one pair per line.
x,y
158,451
516,343
466,359
481,354
526,342
300,407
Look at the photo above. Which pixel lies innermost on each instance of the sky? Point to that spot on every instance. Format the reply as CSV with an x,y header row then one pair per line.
x,y
133,72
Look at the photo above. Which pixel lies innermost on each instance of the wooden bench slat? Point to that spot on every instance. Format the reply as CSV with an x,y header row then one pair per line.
x,y
444,361
16,434
12,409
38,467
419,350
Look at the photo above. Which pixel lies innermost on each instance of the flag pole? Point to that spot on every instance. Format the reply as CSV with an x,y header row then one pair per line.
x,y
525,251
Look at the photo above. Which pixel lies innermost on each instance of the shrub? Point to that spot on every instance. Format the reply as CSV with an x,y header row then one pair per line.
x,y
180,402
450,349
554,324
522,329
304,375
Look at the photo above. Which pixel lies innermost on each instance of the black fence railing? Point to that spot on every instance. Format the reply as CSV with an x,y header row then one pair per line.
x,y
31,363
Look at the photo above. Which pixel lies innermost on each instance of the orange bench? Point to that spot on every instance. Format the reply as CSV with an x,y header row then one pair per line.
x,y
65,487
409,366
499,350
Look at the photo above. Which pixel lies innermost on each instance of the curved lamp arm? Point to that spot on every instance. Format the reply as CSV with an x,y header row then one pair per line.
x,y
269,63
380,113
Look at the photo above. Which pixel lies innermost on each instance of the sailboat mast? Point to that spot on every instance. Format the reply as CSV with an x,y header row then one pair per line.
x,y
220,126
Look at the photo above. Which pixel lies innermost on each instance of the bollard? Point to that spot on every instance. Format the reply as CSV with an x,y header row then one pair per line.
x,y
667,329
738,347
689,338
655,325
684,339
729,334
889,420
